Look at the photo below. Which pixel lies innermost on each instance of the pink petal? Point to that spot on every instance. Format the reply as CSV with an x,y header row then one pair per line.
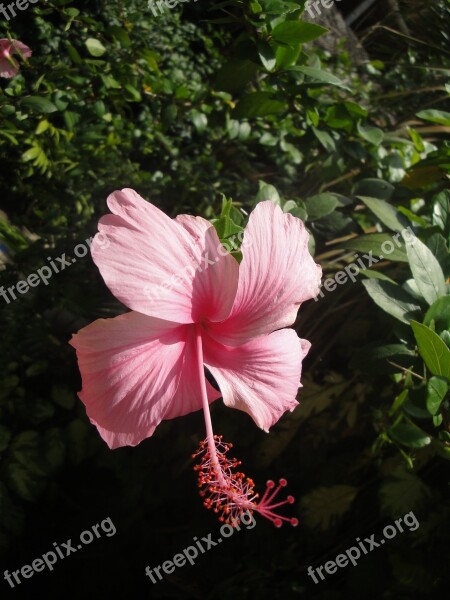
x,y
137,371
218,288
260,377
6,68
156,265
21,49
276,275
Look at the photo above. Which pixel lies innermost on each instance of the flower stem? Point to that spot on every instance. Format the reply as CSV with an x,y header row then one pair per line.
x,y
206,413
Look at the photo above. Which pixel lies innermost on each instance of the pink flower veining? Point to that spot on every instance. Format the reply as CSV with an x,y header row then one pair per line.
x,y
9,67
194,306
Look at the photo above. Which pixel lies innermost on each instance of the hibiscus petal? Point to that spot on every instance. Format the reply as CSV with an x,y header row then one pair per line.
x,y
276,275
6,68
260,377
137,371
21,48
156,265
218,289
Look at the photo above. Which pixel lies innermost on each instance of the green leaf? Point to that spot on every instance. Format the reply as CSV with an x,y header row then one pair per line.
x,y
200,120
435,116
151,59
386,213
325,505
373,135
392,299
402,492
255,7
445,337
63,396
409,435
416,405
258,104
234,75
267,192
224,225
373,242
425,268
73,53
133,93
320,75
371,274
437,389
120,34
398,402
325,139
438,246
297,32
374,188
437,421
320,206
95,47
266,55
286,56
26,484
432,349
31,154
441,211
39,411
37,104
439,312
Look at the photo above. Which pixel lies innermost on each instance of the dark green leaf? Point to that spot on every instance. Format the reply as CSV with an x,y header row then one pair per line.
x,y
320,205
38,104
386,213
373,135
258,104
392,299
437,389
441,211
267,192
266,55
380,244
297,32
374,188
235,75
409,435
425,268
320,75
432,349
439,312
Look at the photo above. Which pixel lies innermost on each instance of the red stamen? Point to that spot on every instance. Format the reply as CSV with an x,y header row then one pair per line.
x,y
229,493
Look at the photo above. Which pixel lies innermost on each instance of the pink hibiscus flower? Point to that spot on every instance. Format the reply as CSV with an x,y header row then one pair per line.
x,y
194,306
9,67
